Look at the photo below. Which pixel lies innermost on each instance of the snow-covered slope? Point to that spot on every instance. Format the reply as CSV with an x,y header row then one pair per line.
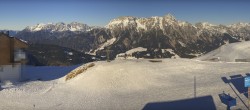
x,y
130,52
102,46
127,85
138,49
229,52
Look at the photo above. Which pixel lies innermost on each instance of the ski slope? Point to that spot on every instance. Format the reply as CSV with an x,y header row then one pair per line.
x,y
130,52
126,85
229,52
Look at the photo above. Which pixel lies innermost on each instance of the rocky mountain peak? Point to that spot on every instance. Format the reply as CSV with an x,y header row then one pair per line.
x,y
121,22
239,25
204,25
142,23
169,16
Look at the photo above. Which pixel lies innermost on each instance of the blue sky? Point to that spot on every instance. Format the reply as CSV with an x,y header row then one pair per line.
x,y
17,14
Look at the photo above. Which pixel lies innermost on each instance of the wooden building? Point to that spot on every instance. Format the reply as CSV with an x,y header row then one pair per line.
x,y
11,57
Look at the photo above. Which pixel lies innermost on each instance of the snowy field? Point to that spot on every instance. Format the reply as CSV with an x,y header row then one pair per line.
x,y
229,52
135,84
126,85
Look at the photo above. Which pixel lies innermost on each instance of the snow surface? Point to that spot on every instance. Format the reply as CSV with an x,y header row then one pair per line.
x,y
131,84
131,51
125,85
23,41
138,49
229,52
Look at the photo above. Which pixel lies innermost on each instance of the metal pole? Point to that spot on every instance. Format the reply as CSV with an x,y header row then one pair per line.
x,y
107,50
194,86
248,92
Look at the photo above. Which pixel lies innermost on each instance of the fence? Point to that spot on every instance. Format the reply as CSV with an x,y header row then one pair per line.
x,y
242,60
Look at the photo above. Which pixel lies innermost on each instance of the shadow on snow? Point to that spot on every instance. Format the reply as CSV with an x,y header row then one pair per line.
x,y
238,82
199,103
45,73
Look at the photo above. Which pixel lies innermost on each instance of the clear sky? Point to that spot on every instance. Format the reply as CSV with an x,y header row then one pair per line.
x,y
17,14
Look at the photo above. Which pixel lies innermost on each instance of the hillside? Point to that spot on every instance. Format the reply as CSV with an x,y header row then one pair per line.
x,y
229,53
130,84
52,55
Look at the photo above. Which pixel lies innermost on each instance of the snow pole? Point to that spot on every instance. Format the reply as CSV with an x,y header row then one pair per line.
x,y
194,86
108,53
248,91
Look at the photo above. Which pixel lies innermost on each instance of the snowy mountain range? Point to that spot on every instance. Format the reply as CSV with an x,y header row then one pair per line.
x,y
161,23
145,23
154,33
59,27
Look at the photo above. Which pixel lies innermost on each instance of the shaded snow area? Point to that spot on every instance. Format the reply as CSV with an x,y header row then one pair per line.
x,y
131,85
45,73
229,53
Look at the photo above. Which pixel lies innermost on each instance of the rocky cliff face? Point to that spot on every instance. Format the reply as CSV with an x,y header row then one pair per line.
x,y
168,33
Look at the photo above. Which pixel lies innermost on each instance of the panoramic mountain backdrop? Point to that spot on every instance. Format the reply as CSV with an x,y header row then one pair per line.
x,y
161,36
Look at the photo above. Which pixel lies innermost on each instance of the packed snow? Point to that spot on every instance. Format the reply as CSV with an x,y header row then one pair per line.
x,y
130,52
229,52
133,84
138,49
123,85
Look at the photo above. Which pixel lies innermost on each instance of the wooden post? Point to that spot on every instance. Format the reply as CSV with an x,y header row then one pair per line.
x,y
108,53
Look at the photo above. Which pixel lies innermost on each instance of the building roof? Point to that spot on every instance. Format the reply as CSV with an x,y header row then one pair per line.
x,y
18,43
